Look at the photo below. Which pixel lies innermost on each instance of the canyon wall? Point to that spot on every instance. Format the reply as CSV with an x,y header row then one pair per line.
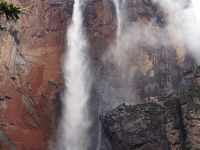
x,y
31,78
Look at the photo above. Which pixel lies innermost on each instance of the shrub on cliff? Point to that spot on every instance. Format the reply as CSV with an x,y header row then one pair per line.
x,y
8,11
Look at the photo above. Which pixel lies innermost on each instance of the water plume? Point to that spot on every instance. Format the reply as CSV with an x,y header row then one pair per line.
x,y
115,56
184,17
131,37
75,122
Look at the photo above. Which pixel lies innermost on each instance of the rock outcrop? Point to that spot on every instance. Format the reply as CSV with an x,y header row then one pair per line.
x,y
135,127
173,125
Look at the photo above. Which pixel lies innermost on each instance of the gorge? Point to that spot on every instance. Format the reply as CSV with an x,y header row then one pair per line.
x,y
101,75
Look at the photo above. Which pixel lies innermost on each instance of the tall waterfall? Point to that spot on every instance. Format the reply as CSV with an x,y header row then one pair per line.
x,y
75,119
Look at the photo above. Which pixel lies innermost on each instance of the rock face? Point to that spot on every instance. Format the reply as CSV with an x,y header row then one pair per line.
x,y
190,116
135,127
31,75
31,80
154,72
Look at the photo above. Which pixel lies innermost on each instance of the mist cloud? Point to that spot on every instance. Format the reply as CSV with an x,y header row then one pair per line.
x,y
184,17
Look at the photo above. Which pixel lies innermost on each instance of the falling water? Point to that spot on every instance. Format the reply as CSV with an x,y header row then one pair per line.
x,y
123,71
119,5
120,13
75,122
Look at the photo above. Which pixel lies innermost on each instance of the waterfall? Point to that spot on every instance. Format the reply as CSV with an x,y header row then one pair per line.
x,y
119,50
117,56
75,119
119,5
120,14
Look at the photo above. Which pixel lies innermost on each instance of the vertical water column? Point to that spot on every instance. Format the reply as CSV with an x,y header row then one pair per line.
x,y
118,55
75,119
120,12
117,51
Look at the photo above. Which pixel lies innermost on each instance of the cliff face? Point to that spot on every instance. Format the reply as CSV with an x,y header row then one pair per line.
x,y
31,77
150,73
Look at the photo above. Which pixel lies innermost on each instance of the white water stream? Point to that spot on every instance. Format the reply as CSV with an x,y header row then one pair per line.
x,y
76,122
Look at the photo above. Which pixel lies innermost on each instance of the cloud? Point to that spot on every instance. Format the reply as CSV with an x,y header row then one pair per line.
x,y
184,17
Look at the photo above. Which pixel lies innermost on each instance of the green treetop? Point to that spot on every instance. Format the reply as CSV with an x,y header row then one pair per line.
x,y
9,11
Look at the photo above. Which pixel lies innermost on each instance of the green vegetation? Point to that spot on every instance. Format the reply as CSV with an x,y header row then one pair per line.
x,y
8,11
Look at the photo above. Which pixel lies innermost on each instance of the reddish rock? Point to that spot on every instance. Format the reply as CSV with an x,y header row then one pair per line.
x,y
31,58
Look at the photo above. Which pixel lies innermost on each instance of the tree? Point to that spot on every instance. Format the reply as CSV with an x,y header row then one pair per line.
x,y
8,11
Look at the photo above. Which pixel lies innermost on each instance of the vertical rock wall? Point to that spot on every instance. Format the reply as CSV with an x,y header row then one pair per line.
x,y
31,55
